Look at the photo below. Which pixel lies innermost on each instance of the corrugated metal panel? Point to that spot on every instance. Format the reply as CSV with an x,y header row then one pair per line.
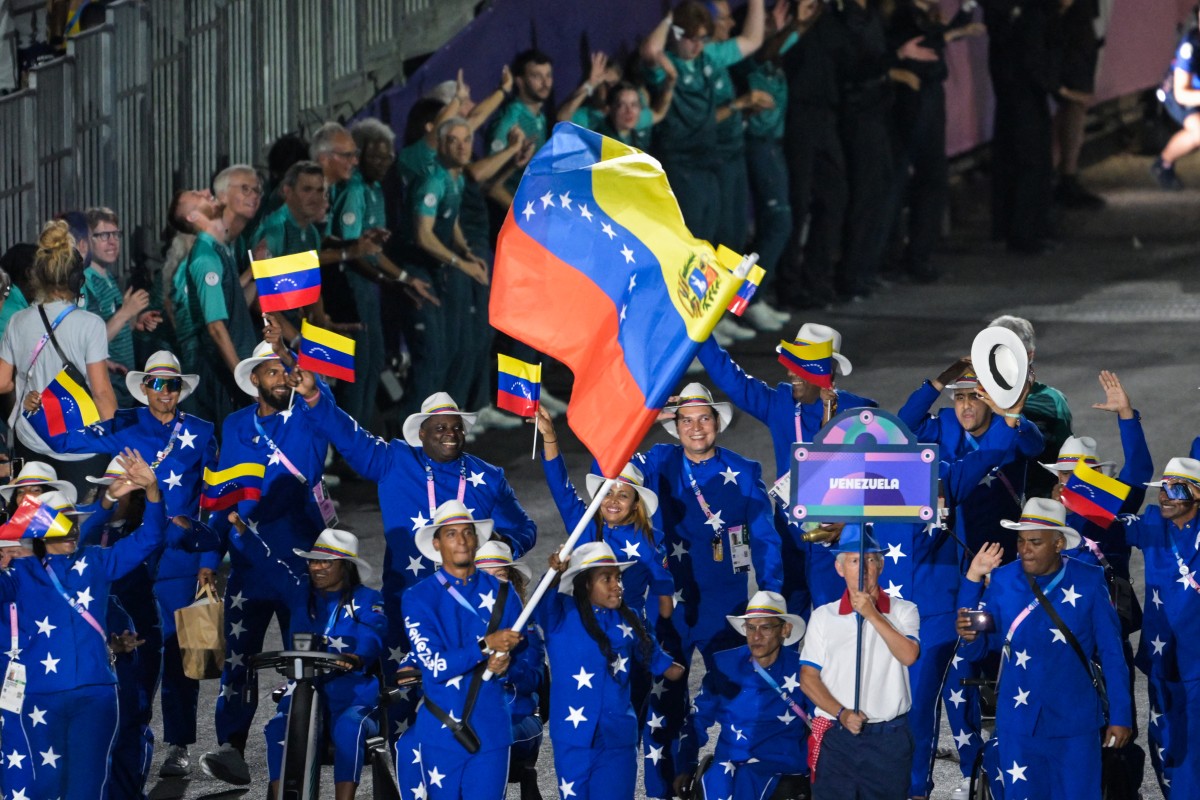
x,y
54,133
18,169
95,100
134,201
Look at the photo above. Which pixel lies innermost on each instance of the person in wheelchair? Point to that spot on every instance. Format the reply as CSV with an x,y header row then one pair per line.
x,y
1051,620
524,681
752,692
331,602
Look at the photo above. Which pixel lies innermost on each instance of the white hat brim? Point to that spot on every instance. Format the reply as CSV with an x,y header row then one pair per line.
x,y
412,425
566,584
983,351
519,566
798,625
241,373
133,382
1072,535
649,498
365,570
1057,468
724,416
844,365
67,489
423,539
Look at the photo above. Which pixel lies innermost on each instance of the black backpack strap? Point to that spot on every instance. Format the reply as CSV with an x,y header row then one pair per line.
x,y
54,339
1092,669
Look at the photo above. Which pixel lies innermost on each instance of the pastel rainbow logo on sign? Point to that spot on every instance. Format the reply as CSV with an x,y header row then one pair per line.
x,y
864,465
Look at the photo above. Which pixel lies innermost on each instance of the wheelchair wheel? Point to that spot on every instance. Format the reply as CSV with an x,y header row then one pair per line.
x,y
980,788
300,777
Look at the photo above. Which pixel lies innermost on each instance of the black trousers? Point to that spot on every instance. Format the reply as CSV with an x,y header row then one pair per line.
x,y
869,147
922,173
1022,159
817,188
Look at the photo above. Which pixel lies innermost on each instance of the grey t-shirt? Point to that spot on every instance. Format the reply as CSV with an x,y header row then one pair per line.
x,y
81,335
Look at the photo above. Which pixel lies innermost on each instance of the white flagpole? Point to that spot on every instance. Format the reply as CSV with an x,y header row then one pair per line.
x,y
536,407
563,552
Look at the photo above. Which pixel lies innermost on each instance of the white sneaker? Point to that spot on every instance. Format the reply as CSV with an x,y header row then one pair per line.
x,y
762,319
177,764
738,333
492,417
783,316
962,791
552,404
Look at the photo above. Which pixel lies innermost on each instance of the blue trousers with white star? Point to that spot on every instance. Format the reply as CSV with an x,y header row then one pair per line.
x,y
70,753
16,766
742,780
348,727
1046,767
134,747
961,704
926,677
1174,751
249,618
596,772
424,772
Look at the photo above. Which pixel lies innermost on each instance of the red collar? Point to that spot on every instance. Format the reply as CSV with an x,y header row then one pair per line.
x,y
883,602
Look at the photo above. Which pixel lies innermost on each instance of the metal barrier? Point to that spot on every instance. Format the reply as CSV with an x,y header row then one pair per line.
x,y
163,95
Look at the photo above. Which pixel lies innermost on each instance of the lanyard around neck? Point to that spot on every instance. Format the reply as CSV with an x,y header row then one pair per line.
x,y
283,459
166,451
458,598
708,514
787,698
462,484
79,609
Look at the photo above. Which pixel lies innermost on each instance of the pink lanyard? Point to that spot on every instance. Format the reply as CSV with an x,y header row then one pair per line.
x,y
1183,568
13,653
700,499
462,485
1016,623
37,350
799,432
283,459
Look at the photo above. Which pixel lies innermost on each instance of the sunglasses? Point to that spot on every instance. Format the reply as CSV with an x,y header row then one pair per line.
x,y
163,384
1176,491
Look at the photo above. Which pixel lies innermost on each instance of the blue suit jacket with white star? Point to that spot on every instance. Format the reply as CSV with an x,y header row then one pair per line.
x,y
756,722
60,650
287,516
445,638
180,474
1044,689
649,572
588,695
358,628
1170,641
399,469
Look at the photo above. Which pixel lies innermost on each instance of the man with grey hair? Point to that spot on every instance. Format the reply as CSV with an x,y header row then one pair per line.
x,y
1046,407
238,191
433,240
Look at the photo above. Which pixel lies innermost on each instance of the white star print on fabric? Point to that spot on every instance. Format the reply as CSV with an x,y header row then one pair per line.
x,y
419,521
415,565
678,551
632,281
286,414
1017,772
186,439
528,212
625,251
1186,580
583,678
173,481
19,794
894,590
677,598
456,682
1057,636
419,792
729,475
658,688
487,601
15,759
729,767
84,598
477,479
894,553
1156,600
1022,698
619,665
607,229
737,733
957,698
1158,645
337,643
566,788
236,630
236,601
274,459
50,663
1022,658
565,200
235,660
80,565
654,754
38,716
624,308
626,630
790,684
656,721
227,692
576,716
45,627
1154,715
954,661
632,549
50,758
436,777
583,212
351,609
547,200
715,522
1070,595
962,739
787,718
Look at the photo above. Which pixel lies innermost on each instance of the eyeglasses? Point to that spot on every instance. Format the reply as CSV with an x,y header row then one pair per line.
x,y
105,236
347,154
163,384
248,188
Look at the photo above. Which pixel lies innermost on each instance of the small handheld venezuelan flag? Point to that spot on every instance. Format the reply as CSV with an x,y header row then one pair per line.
x,y
230,486
812,361
741,300
287,282
33,520
520,386
326,352
1093,495
66,406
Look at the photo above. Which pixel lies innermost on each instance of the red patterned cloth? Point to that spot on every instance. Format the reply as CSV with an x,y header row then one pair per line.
x,y
819,726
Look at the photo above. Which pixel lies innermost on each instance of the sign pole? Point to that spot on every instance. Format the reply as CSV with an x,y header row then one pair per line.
x,y
862,548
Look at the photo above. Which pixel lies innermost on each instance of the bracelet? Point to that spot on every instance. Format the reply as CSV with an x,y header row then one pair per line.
x,y
109,497
307,397
1012,416
549,441
454,261
839,714
403,276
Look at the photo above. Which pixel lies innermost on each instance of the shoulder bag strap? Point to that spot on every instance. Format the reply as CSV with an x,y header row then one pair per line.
x,y
54,339
1091,668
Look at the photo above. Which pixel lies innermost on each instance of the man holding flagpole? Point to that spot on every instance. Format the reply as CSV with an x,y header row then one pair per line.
x,y
279,440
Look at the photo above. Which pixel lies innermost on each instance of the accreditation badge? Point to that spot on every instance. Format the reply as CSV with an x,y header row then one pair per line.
x,y
12,695
325,503
739,548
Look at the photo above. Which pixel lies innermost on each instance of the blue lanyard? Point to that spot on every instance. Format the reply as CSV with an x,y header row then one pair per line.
x,y
166,451
37,351
333,615
458,598
787,698
283,459
1183,567
83,612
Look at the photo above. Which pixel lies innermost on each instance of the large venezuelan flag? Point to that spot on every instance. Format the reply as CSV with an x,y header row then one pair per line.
x,y
1093,495
232,485
287,282
596,268
66,406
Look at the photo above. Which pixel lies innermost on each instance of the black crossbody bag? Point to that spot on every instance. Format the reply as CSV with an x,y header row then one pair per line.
x,y
1093,668
464,734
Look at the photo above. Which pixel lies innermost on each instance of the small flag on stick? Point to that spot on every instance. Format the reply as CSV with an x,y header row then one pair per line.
x,y
741,300
287,282
230,486
1093,495
812,361
66,406
326,352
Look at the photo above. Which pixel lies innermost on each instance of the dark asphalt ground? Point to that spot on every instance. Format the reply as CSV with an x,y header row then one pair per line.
x,y
1120,295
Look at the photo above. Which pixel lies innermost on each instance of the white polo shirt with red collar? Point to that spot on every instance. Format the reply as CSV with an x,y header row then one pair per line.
x,y
829,646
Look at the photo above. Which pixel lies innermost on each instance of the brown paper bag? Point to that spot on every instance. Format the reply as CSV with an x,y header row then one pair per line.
x,y
201,631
